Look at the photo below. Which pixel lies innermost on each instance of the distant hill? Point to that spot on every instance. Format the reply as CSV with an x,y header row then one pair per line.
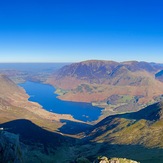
x,y
98,81
104,72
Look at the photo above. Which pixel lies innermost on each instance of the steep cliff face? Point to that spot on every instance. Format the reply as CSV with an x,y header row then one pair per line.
x,y
10,148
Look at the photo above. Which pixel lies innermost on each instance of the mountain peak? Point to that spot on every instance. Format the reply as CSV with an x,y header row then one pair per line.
x,y
95,69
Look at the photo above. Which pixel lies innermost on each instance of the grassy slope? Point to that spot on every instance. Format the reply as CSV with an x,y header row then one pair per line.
x,y
144,127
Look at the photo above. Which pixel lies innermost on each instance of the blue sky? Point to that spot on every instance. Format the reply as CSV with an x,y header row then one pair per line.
x,y
77,30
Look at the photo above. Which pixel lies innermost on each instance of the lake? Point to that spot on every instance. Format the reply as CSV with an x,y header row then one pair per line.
x,y
45,96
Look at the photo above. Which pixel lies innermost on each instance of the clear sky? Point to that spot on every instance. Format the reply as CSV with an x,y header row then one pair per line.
x,y
76,30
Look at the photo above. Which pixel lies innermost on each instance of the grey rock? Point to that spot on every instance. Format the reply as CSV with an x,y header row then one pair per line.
x,y
10,149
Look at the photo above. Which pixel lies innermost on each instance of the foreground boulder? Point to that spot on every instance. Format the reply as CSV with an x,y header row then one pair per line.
x,y
113,160
10,150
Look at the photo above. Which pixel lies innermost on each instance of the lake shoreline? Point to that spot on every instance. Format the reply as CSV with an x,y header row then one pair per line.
x,y
86,112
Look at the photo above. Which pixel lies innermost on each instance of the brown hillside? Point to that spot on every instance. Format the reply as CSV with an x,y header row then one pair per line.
x,y
95,81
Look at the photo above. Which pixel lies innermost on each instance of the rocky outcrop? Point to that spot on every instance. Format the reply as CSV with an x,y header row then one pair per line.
x,y
104,159
10,150
113,160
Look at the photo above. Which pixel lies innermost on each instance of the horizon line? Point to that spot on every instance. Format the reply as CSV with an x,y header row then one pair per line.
x,y
46,62
36,62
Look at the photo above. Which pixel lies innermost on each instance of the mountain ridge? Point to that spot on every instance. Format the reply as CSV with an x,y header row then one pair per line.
x,y
131,128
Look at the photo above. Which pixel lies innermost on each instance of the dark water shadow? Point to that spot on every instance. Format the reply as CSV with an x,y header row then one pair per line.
x,y
71,127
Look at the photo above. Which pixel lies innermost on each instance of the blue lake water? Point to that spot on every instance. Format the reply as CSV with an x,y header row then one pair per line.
x,y
44,95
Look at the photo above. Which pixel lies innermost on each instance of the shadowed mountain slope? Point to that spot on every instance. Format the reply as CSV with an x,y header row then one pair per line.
x,y
39,145
144,127
31,133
